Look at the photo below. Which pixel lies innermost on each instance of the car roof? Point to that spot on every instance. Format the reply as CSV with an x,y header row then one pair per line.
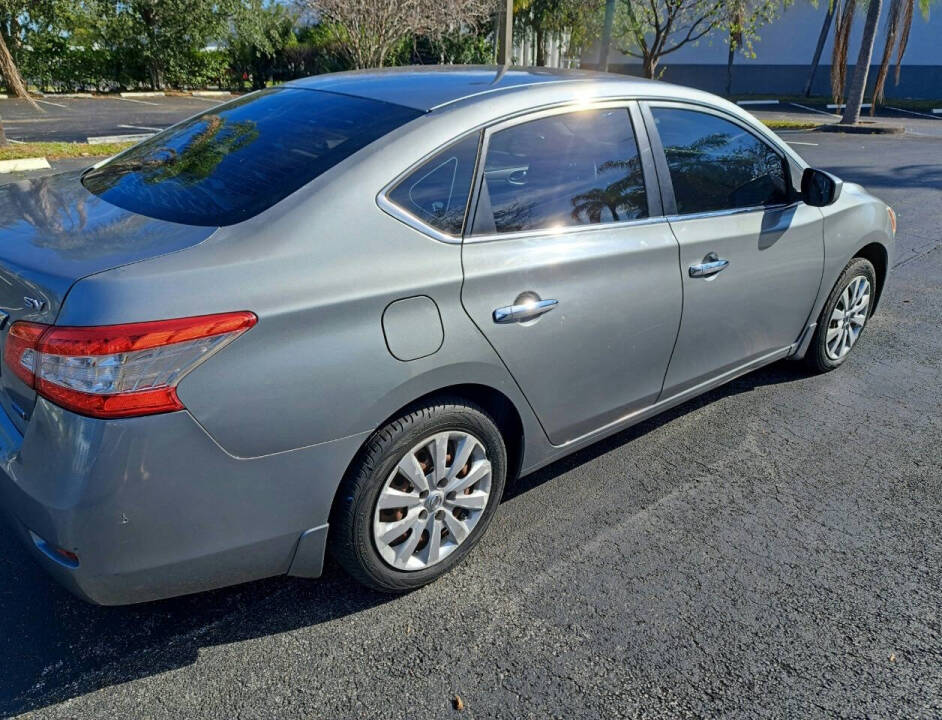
x,y
433,86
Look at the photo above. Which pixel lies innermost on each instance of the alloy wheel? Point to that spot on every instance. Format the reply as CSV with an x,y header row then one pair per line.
x,y
432,500
848,318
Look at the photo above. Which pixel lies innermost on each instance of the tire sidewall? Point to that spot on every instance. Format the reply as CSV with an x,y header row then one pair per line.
x,y
818,354
371,480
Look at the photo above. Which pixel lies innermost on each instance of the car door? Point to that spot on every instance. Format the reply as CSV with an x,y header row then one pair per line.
x,y
570,267
751,253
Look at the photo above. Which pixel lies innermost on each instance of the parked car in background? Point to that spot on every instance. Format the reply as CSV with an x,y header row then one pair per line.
x,y
342,313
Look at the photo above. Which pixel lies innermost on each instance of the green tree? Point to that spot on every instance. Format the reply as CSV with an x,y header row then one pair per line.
x,y
260,32
165,35
651,29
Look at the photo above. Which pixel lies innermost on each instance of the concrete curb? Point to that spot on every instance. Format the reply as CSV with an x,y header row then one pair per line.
x,y
23,164
210,93
103,139
149,93
68,95
757,102
868,129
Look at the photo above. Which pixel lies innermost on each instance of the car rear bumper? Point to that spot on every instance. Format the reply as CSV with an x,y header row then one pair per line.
x,y
152,507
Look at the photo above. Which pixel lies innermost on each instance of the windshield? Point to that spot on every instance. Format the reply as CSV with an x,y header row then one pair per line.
x,y
236,160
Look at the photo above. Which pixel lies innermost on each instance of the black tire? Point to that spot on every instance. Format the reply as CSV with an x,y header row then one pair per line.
x,y
817,358
351,522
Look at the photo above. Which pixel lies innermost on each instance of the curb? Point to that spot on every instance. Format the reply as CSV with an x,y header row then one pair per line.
x,y
210,93
68,95
23,164
103,139
757,102
149,93
863,129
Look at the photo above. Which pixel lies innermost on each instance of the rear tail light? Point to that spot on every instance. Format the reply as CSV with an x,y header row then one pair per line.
x,y
114,371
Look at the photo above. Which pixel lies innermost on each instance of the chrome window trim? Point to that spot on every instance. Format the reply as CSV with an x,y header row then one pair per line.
x,y
676,217
564,230
403,216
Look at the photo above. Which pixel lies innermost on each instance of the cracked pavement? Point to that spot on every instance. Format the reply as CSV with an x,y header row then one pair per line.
x,y
770,549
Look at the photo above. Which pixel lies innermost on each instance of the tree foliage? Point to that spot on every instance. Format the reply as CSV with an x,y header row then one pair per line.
x,y
651,29
371,31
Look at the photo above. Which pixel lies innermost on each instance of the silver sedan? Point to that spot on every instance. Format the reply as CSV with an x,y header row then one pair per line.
x,y
341,314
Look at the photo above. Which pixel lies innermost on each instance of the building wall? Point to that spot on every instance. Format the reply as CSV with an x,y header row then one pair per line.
x,y
783,57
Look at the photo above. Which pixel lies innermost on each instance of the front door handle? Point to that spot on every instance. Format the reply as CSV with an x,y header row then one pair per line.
x,y
525,308
710,266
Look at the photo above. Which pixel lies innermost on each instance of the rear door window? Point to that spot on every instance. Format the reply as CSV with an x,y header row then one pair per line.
x,y
232,162
578,168
437,191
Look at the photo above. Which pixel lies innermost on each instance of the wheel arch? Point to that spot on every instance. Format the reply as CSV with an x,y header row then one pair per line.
x,y
494,401
876,254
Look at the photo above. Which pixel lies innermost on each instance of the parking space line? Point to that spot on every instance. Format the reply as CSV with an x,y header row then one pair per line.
x,y
796,142
805,107
141,127
134,100
912,112
46,102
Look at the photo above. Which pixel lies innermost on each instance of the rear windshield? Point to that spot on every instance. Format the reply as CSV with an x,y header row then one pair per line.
x,y
236,160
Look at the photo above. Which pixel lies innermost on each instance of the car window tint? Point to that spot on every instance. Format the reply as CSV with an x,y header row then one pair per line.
x,y
437,192
571,169
718,165
236,160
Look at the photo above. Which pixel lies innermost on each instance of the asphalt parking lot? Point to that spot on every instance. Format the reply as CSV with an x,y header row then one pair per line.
x,y
771,549
77,119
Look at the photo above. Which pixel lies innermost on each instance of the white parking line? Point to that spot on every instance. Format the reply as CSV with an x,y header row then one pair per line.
x,y
46,102
795,142
141,127
142,102
911,112
805,107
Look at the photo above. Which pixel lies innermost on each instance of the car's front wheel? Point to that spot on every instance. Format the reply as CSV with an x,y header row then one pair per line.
x,y
419,496
843,316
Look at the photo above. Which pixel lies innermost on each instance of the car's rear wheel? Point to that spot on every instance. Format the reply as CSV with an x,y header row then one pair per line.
x,y
420,496
843,316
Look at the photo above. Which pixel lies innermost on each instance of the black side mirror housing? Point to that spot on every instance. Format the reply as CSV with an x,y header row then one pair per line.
x,y
819,188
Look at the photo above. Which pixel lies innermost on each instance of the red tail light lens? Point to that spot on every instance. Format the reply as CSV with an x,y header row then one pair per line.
x,y
118,370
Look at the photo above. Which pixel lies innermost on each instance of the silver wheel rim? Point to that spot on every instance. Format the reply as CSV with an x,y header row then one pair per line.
x,y
432,500
848,318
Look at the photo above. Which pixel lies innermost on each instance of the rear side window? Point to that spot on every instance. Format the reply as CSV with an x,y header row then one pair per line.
x,y
576,168
717,165
236,160
437,192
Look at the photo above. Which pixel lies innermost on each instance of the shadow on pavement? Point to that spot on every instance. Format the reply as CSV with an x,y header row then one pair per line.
x,y
55,647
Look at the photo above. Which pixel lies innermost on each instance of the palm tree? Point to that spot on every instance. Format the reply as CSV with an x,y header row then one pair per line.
x,y
899,24
858,84
833,6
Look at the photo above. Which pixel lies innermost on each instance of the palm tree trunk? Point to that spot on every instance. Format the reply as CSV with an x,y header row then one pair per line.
x,y
729,69
858,83
822,38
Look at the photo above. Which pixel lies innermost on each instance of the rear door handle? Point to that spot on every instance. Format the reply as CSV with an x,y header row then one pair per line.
x,y
523,311
710,266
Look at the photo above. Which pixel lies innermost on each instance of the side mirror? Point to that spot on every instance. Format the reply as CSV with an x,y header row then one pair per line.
x,y
819,188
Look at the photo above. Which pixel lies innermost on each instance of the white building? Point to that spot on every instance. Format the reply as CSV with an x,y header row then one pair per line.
x,y
783,57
